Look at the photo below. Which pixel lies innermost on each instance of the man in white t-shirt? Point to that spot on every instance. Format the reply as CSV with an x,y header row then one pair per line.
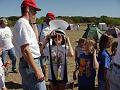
x,y
27,47
44,30
6,44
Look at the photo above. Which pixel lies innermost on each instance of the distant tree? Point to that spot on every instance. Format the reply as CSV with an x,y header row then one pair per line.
x,y
40,20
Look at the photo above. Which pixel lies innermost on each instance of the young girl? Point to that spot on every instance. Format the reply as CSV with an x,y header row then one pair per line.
x,y
87,65
57,53
78,49
104,59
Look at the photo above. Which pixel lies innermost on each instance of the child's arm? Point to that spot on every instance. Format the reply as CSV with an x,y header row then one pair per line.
x,y
0,51
70,50
74,73
44,43
95,62
76,55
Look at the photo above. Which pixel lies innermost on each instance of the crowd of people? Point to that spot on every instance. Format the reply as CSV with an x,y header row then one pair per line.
x,y
37,46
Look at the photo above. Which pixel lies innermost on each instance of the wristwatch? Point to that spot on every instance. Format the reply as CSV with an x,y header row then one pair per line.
x,y
33,23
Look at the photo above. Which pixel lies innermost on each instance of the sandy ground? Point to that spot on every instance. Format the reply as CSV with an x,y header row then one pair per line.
x,y
13,80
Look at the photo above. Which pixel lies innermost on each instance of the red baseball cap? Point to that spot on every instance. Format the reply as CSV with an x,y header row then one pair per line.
x,y
50,15
30,3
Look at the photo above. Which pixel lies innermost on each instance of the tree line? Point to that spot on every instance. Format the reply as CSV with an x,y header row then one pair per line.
x,y
74,19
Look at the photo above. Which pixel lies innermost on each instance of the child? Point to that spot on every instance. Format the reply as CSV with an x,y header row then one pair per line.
x,y
104,59
87,65
114,49
2,76
78,49
57,54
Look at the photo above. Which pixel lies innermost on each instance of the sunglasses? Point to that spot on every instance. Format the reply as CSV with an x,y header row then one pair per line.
x,y
33,11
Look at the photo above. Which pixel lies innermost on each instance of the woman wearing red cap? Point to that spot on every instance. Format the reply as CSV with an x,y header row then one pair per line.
x,y
27,47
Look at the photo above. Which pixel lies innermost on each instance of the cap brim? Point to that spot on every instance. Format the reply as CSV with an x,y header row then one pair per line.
x,y
60,32
37,9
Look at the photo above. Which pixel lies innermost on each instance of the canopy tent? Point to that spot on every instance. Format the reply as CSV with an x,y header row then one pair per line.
x,y
58,24
92,32
113,31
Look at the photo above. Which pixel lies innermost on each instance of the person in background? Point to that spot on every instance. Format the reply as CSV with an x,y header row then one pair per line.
x,y
27,47
2,75
78,49
6,37
114,49
44,30
113,52
104,60
87,65
115,68
57,54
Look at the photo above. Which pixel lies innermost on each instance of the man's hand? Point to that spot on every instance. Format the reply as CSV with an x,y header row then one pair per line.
x,y
39,75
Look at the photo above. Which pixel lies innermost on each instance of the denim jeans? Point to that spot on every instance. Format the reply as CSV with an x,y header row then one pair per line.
x,y
12,56
114,78
29,80
101,85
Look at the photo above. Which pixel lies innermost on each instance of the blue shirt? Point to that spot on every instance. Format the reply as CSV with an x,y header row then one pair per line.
x,y
87,73
104,60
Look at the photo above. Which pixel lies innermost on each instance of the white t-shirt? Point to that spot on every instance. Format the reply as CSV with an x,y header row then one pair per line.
x,y
6,38
61,58
44,30
24,34
117,55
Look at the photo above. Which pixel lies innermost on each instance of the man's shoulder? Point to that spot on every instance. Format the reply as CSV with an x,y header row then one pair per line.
x,y
7,28
22,20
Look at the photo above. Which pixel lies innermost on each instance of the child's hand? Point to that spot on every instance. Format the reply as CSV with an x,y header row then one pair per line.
x,y
47,38
74,75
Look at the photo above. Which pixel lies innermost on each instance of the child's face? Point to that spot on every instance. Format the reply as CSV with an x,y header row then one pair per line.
x,y
88,47
81,45
85,46
58,39
109,43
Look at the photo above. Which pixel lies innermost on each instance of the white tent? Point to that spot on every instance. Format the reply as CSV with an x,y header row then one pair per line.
x,y
102,26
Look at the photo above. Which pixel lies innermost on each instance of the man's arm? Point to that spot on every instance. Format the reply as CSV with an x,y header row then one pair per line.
x,y
30,60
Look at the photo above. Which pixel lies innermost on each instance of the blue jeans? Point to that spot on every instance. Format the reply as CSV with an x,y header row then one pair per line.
x,y
101,85
12,56
29,80
114,78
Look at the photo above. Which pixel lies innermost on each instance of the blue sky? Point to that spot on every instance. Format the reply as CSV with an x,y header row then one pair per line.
x,y
65,7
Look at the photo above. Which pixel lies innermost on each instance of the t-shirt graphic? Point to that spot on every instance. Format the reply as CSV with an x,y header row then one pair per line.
x,y
84,67
57,59
86,76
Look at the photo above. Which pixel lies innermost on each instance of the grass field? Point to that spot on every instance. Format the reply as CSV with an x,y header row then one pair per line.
x,y
13,81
